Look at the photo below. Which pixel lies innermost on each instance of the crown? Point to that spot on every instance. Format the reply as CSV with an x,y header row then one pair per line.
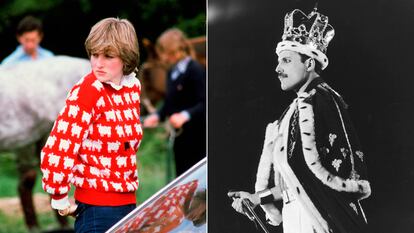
x,y
308,34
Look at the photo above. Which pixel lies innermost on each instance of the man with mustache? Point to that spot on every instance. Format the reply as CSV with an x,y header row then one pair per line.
x,y
311,155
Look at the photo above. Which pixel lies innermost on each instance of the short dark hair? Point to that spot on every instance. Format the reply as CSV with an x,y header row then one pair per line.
x,y
29,24
318,66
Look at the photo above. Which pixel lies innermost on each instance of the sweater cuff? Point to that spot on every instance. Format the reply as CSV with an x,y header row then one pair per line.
x,y
60,204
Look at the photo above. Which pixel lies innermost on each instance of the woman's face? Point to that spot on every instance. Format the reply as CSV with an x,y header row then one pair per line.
x,y
107,67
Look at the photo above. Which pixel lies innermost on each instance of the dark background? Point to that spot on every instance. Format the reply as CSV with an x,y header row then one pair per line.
x,y
371,65
67,22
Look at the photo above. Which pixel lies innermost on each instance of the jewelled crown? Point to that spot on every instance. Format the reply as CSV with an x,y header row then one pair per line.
x,y
308,34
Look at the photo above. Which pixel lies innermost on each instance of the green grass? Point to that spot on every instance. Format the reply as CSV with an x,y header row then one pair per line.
x,y
152,159
16,225
153,163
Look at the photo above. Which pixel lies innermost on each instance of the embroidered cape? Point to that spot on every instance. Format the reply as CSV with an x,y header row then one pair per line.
x,y
326,166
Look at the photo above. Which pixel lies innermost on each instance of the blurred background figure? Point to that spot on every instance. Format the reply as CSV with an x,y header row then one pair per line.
x,y
153,72
29,34
185,101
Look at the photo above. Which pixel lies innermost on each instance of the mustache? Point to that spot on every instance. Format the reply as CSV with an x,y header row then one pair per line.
x,y
282,75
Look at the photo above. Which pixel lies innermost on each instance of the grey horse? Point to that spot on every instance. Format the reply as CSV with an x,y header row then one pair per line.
x,y
31,96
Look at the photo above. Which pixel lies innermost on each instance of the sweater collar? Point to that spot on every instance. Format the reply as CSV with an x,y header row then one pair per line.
x,y
126,81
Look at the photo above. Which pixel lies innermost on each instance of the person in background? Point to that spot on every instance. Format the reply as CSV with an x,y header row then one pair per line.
x,y
311,154
185,102
96,136
29,34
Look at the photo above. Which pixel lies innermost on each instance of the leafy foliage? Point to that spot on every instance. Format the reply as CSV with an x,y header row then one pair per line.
x,y
67,23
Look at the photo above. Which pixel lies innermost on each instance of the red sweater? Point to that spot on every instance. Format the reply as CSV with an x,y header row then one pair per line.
x,y
93,144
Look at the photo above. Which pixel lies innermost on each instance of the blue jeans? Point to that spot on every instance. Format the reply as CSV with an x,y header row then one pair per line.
x,y
98,219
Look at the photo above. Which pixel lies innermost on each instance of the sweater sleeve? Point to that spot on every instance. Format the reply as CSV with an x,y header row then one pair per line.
x,y
59,154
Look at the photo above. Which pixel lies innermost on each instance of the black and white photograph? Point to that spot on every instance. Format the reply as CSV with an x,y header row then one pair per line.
x,y
310,116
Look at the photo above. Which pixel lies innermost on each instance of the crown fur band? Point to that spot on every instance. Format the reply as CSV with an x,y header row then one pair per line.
x,y
304,49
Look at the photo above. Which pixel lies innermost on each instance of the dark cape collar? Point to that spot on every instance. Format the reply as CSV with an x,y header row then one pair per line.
x,y
314,83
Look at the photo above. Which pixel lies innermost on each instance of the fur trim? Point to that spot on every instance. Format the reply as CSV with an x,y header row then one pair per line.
x,y
304,49
289,177
307,129
263,173
265,164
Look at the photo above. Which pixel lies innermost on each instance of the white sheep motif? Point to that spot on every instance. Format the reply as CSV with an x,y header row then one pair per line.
x,y
73,111
127,174
58,177
76,148
64,145
46,173
110,115
80,168
128,130
97,145
130,187
79,181
95,171
86,117
120,131
104,130
127,98
105,185
135,111
128,114
118,115
133,159
138,129
74,95
50,141
117,186
50,190
92,183
98,85
63,190
101,102
113,146
117,99
76,130
87,144
68,162
121,161
53,160
135,96
62,126
105,161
